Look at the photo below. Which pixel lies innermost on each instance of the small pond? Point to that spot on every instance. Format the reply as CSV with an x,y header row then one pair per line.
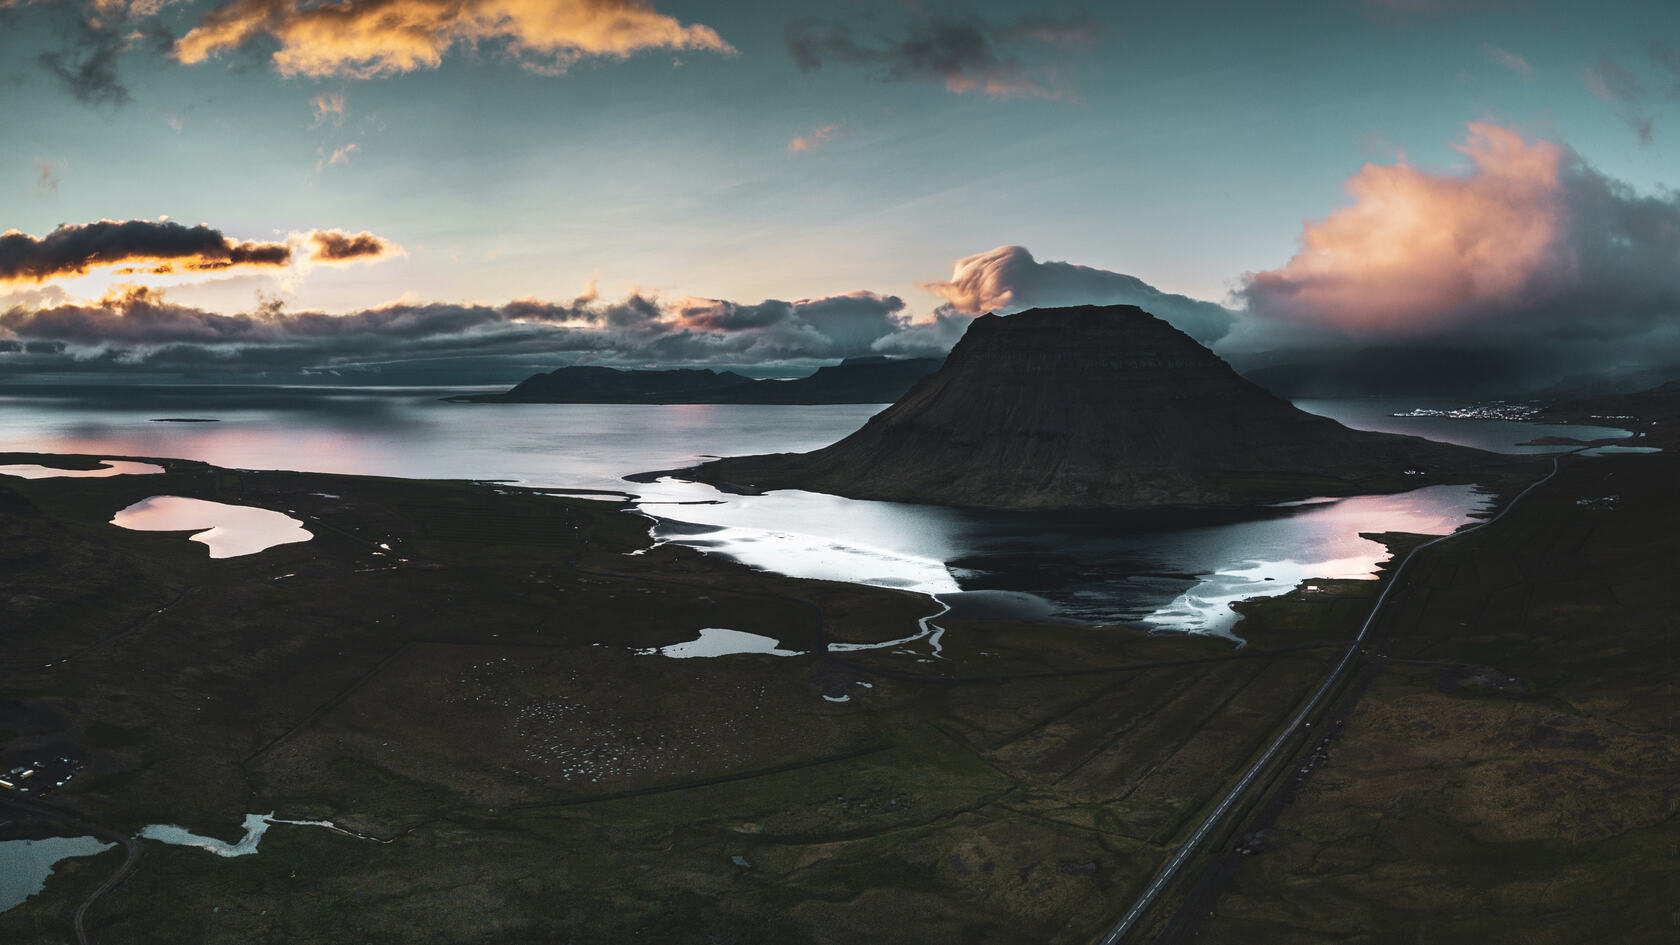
x,y
227,530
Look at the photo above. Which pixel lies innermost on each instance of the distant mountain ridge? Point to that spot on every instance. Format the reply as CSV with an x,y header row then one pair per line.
x,y
866,380
1094,406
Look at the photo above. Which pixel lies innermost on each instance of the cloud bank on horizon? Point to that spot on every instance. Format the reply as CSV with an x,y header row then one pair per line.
x,y
136,326
140,328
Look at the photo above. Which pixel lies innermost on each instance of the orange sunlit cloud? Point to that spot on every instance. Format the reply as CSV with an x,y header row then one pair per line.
x,y
75,249
1418,251
94,257
329,107
367,38
813,140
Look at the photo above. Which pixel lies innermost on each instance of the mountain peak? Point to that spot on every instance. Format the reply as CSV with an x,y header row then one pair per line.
x,y
1092,406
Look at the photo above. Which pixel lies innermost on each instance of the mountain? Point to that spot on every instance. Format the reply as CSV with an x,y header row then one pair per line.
x,y
1094,406
1653,413
603,385
873,380
870,380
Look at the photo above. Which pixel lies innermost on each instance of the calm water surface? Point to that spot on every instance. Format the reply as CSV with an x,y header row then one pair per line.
x,y
26,864
229,531
1169,573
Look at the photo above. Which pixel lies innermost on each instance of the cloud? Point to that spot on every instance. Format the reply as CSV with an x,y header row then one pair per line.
x,y
339,156
163,247
329,107
1668,59
367,38
1421,10
73,249
1508,60
337,246
1008,279
813,139
964,53
86,65
90,39
139,327
1532,245
48,175
1614,85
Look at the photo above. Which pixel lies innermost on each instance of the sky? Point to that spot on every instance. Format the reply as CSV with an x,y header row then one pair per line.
x,y
286,185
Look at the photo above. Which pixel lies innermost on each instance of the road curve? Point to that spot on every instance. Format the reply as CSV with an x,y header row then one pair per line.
x,y
1182,854
132,847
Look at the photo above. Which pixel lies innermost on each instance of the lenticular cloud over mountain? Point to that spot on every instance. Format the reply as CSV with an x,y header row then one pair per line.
x,y
1009,279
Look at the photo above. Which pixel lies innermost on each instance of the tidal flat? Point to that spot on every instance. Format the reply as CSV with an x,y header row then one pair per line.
x,y
453,669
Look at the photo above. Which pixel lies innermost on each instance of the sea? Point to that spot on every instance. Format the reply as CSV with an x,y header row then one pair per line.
x,y
1164,572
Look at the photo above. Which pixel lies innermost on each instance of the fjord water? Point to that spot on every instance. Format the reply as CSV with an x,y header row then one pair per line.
x,y
1170,572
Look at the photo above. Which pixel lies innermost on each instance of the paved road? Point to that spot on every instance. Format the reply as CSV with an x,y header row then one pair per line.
x,y
1188,848
130,845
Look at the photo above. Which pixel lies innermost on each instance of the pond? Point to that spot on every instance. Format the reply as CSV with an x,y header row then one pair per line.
x,y
227,530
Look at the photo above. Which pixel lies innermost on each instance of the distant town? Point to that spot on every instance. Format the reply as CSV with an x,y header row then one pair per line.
x,y
1492,410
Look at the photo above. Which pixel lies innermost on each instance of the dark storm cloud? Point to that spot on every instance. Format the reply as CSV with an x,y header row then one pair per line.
x,y
73,249
141,328
963,52
1009,279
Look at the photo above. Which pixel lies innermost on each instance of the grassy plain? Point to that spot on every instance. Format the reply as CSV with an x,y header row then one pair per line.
x,y
469,699
450,669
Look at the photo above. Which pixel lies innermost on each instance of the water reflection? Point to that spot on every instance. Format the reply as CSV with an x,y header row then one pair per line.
x,y
227,530
1169,571
715,641
107,467
255,826
1323,541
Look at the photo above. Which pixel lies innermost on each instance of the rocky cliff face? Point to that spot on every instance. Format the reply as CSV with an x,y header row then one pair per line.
x,y
1094,406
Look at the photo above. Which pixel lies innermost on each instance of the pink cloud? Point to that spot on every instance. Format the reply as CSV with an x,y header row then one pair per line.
x,y
1531,243
1418,251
